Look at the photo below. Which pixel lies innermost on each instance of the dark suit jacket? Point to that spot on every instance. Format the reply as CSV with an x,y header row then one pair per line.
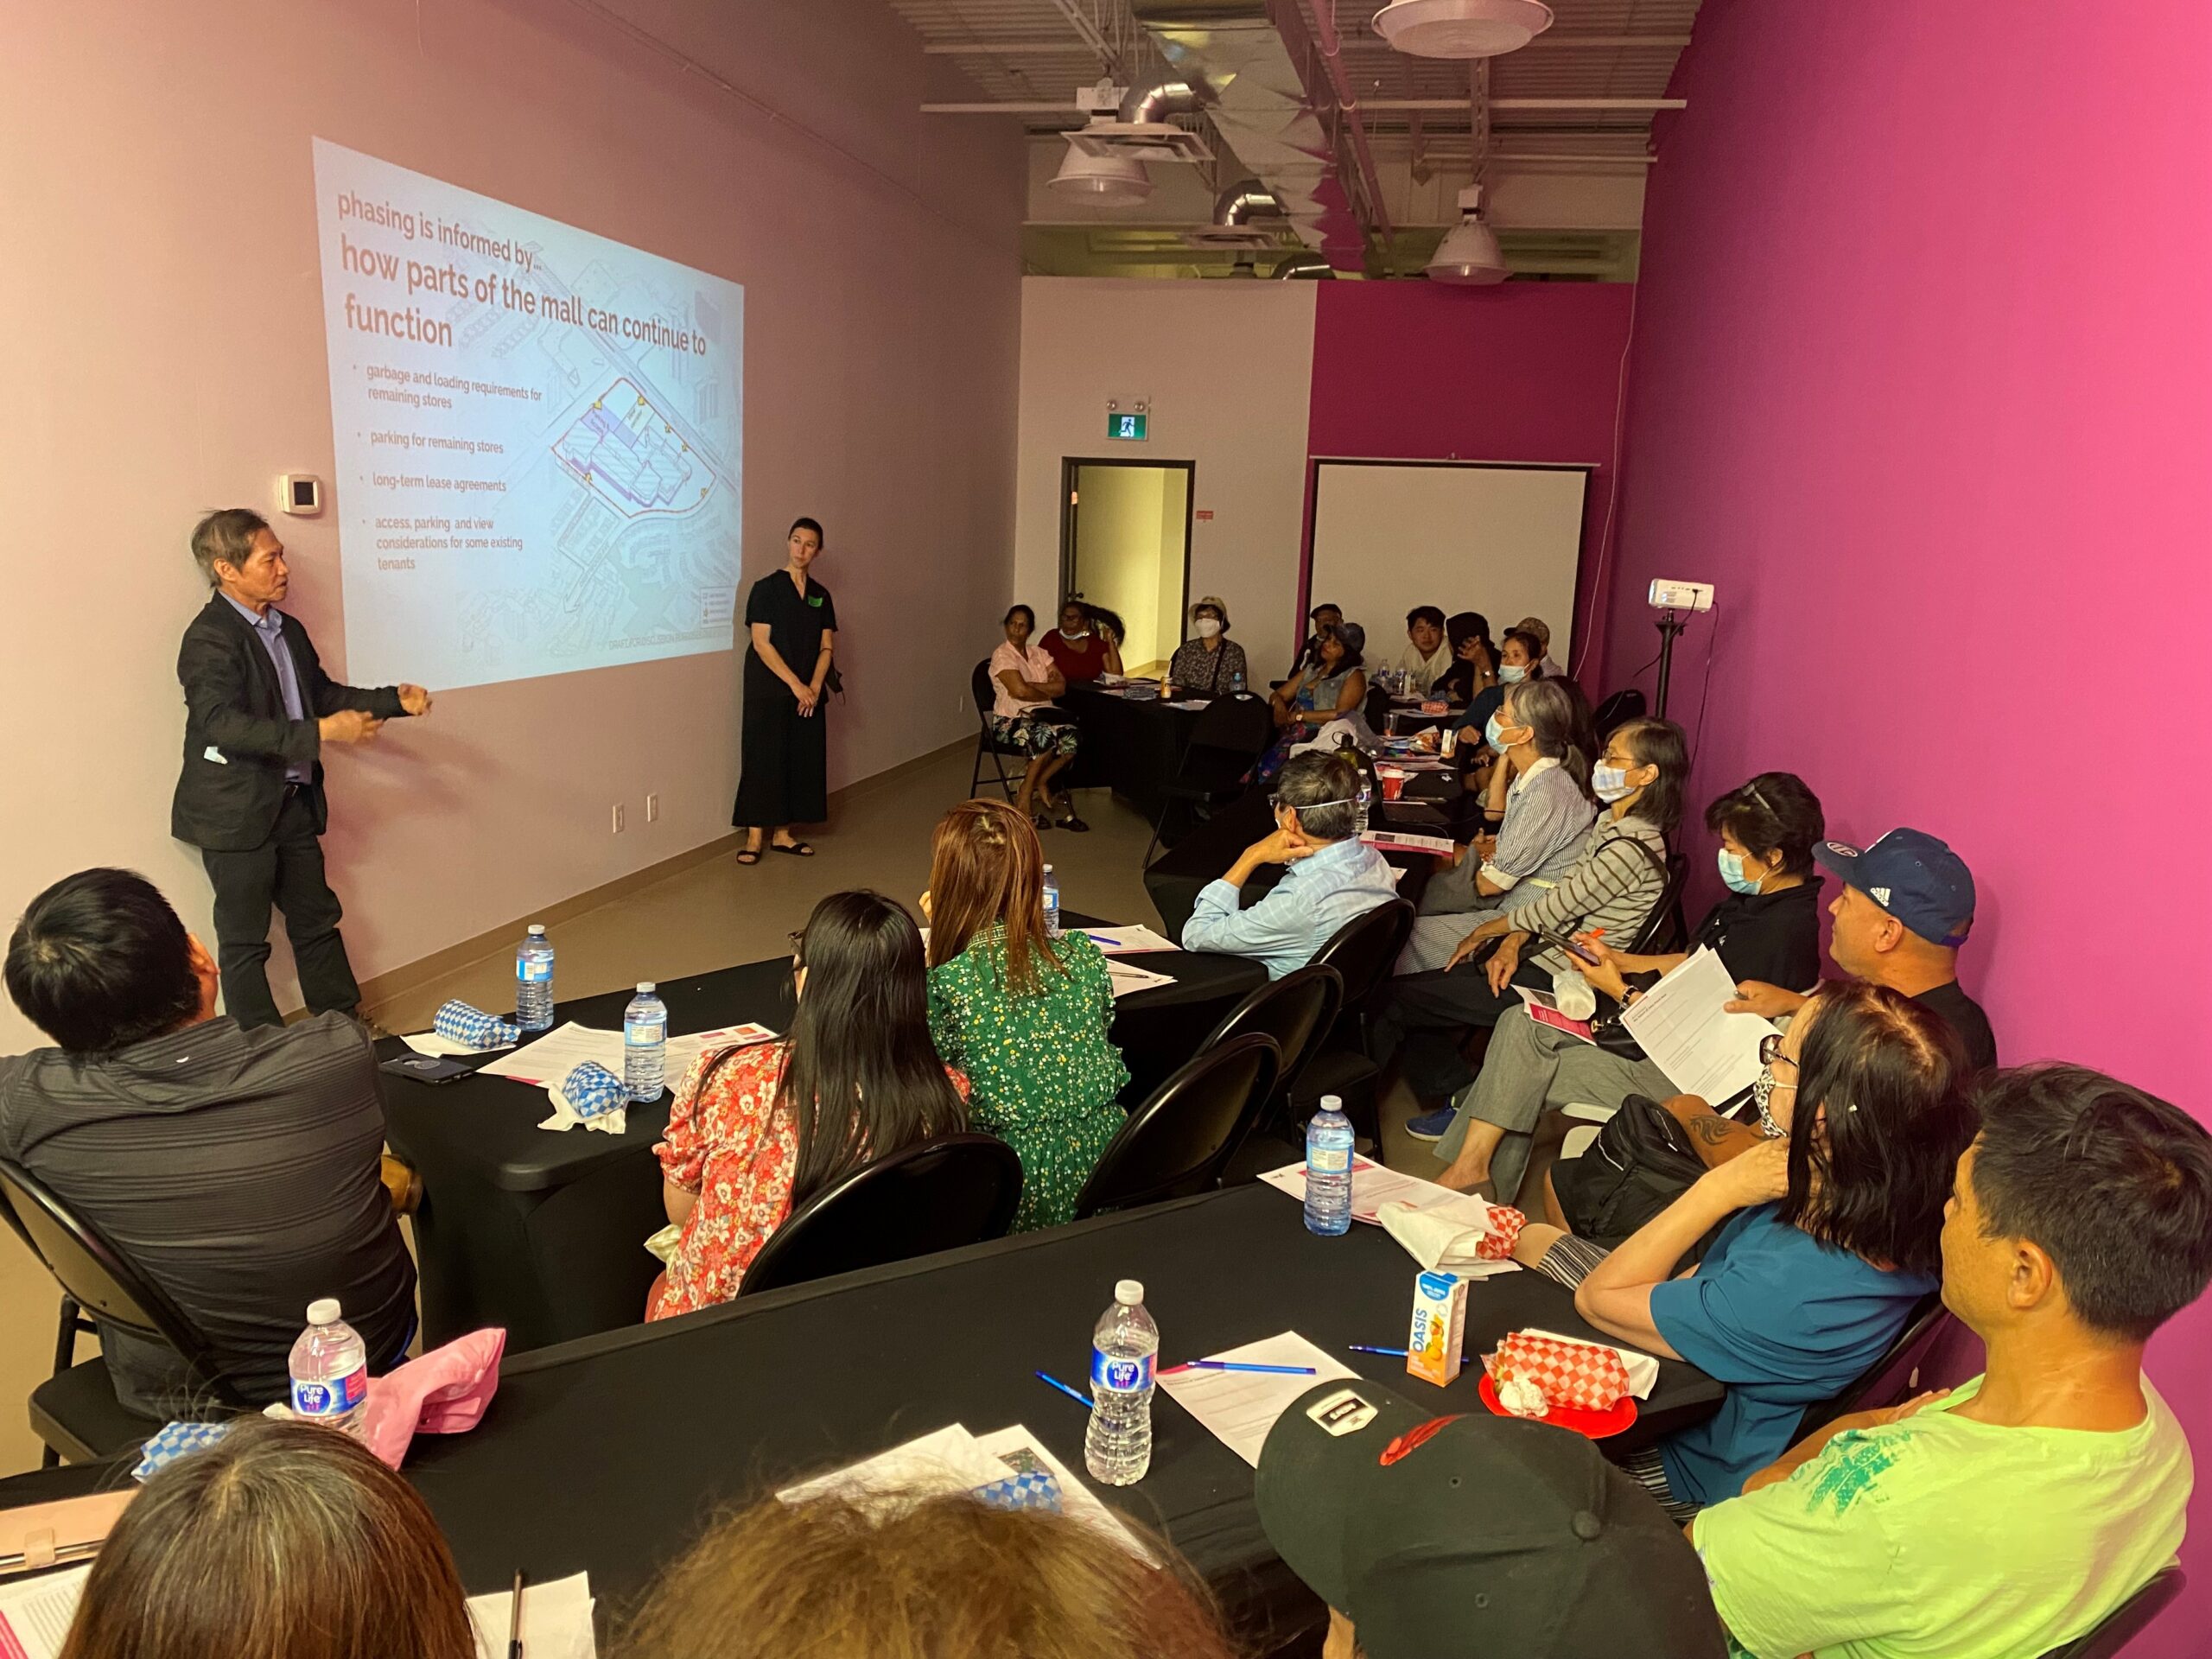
x,y
234,706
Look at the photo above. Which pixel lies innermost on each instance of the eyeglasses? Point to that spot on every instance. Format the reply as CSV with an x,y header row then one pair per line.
x,y
1770,1053
797,937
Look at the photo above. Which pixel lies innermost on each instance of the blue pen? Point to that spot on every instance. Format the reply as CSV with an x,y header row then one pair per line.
x,y
1394,1353
1233,1365
1097,937
1056,1383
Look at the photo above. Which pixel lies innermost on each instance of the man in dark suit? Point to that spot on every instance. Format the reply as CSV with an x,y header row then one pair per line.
x,y
258,710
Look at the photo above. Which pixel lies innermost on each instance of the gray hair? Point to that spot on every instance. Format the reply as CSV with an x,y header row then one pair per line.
x,y
227,535
1324,789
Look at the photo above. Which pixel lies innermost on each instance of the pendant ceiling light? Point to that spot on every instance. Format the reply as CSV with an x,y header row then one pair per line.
x,y
1461,28
1469,253
1101,178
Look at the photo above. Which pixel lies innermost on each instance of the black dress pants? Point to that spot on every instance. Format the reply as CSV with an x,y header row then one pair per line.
x,y
1420,1019
285,871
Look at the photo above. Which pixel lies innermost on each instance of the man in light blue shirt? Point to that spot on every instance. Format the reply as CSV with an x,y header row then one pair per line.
x,y
1331,877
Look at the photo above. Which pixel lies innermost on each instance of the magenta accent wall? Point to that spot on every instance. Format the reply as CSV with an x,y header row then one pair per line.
x,y
1922,379
1529,371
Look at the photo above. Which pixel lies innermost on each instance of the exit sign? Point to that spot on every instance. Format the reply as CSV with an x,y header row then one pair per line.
x,y
1130,427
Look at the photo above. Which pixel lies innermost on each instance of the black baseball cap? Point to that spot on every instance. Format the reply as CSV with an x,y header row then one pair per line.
x,y
1476,1536
1913,876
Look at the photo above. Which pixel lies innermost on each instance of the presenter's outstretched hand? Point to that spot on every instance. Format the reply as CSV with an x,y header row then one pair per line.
x,y
414,699
348,726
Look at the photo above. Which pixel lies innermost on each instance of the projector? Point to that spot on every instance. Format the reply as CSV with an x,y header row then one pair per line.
x,y
1681,596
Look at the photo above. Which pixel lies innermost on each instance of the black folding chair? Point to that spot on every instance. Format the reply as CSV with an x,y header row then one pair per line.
x,y
1617,710
1226,740
1298,1011
75,1411
935,1195
1663,929
1363,951
2125,1622
1879,1384
984,694
1178,1141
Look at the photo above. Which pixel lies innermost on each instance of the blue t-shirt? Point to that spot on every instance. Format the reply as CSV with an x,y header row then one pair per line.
x,y
1781,1320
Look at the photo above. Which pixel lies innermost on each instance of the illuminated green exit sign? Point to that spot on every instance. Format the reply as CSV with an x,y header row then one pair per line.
x,y
1130,427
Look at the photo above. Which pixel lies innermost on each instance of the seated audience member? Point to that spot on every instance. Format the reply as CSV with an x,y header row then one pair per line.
x,y
1540,630
1828,1237
1212,665
1323,617
237,1170
1610,889
1932,894
1425,658
1332,876
1023,717
1767,928
1546,813
939,1577
755,1132
1473,1535
1474,659
281,1541
1907,906
2010,1515
1333,685
1024,1016
1517,662
1083,648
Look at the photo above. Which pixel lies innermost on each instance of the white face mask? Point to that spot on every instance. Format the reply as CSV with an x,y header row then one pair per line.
x,y
1209,626
1610,783
1512,674
1075,634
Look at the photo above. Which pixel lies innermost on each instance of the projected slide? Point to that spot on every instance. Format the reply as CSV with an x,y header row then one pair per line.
x,y
538,435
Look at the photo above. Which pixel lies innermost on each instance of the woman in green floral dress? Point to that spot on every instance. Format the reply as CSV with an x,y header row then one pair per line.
x,y
1024,1016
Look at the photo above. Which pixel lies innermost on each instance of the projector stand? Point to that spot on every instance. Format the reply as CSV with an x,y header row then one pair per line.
x,y
1670,629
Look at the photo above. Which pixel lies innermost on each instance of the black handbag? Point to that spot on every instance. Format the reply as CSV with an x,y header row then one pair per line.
x,y
1640,1163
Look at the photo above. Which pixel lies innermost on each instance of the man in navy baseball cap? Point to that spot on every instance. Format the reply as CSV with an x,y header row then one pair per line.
x,y
1474,1536
1906,906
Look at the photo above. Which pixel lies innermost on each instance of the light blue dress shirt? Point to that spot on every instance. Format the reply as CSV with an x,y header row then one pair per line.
x,y
270,626
1316,896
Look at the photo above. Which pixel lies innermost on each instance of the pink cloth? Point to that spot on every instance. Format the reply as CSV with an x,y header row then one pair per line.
x,y
444,1392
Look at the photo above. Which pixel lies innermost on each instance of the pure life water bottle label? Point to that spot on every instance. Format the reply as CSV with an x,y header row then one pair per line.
x,y
533,972
1120,1376
331,1399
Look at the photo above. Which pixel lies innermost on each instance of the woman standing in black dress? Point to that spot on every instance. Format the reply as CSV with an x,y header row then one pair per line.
x,y
783,775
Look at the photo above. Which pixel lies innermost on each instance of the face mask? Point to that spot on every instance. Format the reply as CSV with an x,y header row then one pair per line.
x,y
1611,783
1510,675
1761,1093
1733,874
1209,626
1490,736
1084,633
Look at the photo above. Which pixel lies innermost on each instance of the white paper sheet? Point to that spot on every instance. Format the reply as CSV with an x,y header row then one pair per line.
x,y
1130,940
1398,841
1239,1408
1014,1446
1127,978
562,1050
1703,1051
555,1620
35,1612
950,1460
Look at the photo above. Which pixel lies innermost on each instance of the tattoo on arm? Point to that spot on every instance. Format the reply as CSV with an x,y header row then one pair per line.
x,y
1711,1130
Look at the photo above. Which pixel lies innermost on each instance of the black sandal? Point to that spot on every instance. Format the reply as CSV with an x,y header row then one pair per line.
x,y
791,848
748,856
1073,823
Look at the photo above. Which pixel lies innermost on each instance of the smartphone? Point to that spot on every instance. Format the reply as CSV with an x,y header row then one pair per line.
x,y
426,1068
1579,952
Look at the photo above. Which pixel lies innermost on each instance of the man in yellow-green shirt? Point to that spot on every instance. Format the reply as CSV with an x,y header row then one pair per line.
x,y
2014,1513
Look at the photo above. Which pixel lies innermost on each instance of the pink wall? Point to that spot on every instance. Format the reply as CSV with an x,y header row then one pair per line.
x,y
1922,379
164,347
1524,371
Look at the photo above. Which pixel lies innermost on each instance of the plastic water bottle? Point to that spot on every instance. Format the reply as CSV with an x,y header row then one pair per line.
x,y
534,981
1117,1446
330,1369
1051,904
1328,1170
1237,683
644,1044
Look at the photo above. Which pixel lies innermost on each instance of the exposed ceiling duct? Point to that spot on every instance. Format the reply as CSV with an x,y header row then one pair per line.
x,y
1234,211
1105,160
1263,110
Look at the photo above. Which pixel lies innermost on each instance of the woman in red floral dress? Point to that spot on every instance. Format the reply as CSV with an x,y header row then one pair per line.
x,y
756,1130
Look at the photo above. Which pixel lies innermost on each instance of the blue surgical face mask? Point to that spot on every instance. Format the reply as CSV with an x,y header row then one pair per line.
x,y
1489,735
1512,675
1732,873
1610,783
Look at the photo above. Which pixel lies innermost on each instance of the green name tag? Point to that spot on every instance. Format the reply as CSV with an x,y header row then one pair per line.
x,y
815,600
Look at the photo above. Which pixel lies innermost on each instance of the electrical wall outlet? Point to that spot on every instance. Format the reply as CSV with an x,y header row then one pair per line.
x,y
652,809
621,819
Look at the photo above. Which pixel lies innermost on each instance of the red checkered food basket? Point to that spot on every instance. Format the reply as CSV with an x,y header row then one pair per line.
x,y
1580,1374
1504,1223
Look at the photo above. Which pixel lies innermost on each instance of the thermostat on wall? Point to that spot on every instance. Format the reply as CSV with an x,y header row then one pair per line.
x,y
299,494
